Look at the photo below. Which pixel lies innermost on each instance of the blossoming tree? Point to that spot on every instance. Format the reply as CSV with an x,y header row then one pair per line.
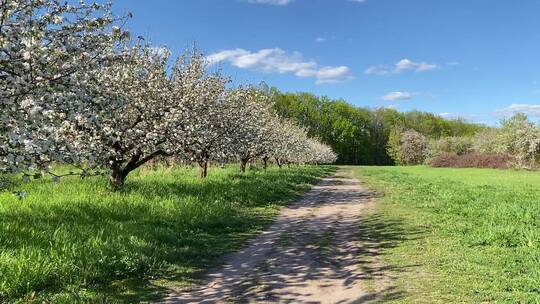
x,y
253,136
43,44
74,89
126,116
207,111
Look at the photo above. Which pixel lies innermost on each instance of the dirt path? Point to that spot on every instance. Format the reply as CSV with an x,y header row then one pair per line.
x,y
311,254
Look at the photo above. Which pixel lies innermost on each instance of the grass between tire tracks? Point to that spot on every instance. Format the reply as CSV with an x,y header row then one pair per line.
x,y
76,241
457,235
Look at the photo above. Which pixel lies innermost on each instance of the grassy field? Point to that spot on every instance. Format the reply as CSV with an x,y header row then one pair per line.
x,y
76,241
457,235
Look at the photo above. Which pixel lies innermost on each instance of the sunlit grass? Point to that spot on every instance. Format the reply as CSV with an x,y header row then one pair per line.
x,y
460,235
77,241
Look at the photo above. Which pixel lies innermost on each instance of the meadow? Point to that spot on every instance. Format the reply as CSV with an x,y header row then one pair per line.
x,y
457,235
78,241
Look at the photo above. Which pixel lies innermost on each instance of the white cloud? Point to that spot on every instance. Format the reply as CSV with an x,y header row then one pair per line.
x,y
447,115
401,66
359,1
531,110
333,74
278,61
224,55
393,96
377,70
271,2
320,39
471,117
266,60
408,65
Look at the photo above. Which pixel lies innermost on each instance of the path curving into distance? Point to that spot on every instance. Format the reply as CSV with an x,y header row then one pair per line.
x,y
311,254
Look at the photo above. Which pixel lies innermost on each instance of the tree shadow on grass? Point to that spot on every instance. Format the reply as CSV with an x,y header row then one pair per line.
x,y
251,189
204,244
378,234
123,246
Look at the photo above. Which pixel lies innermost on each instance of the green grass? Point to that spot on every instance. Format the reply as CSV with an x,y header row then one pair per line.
x,y
76,241
457,235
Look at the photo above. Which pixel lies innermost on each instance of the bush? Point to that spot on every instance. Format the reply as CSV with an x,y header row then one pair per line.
x,y
517,136
486,141
449,145
520,138
407,148
472,160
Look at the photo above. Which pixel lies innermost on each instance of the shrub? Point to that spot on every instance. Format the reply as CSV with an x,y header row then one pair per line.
x,y
486,141
521,138
473,160
449,145
413,146
517,136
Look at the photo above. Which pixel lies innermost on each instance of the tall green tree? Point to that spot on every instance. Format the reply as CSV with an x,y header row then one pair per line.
x,y
361,135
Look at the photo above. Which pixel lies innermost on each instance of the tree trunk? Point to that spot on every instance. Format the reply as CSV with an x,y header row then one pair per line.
x,y
203,169
117,179
120,171
243,164
265,163
278,162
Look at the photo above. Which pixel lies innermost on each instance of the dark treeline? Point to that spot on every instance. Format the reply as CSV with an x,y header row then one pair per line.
x,y
360,135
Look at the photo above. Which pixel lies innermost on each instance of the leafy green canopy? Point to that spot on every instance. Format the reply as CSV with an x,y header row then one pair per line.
x,y
360,135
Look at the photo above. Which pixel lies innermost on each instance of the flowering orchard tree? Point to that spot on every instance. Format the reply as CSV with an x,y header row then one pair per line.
x,y
127,116
43,45
292,143
294,146
255,123
207,111
273,141
319,153
72,91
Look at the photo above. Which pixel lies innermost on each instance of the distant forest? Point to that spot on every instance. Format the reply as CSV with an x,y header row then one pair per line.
x,y
360,135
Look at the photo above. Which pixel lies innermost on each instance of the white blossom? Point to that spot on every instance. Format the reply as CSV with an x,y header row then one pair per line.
x,y
43,46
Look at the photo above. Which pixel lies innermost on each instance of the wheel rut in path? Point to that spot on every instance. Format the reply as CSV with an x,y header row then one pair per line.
x,y
310,254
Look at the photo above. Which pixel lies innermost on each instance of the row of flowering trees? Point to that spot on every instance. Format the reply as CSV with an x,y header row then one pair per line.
x,y
75,89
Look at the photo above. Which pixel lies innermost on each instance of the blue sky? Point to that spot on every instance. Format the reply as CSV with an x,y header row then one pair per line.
x,y
478,59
